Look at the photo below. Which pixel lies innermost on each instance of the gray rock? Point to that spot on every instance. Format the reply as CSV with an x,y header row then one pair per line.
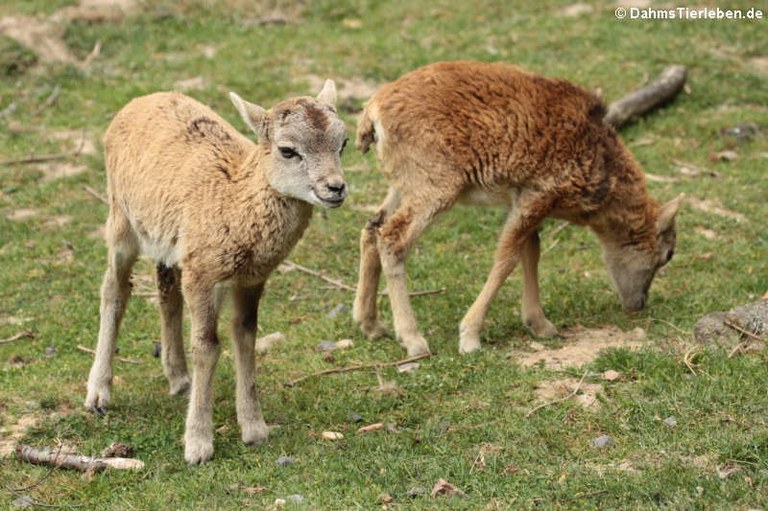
x,y
670,421
336,311
326,346
712,331
603,442
284,461
416,491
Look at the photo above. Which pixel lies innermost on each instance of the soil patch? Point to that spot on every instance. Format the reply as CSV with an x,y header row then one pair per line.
x,y
582,345
552,390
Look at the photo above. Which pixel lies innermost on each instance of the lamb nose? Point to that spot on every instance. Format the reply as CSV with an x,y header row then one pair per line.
x,y
337,188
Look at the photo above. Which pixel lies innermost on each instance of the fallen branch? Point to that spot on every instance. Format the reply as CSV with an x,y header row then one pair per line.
x,y
21,335
337,283
337,370
46,157
121,359
341,285
655,94
566,398
74,462
51,99
96,194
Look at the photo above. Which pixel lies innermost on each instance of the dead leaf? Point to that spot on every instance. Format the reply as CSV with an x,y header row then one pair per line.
x,y
707,233
371,427
386,498
353,23
331,436
21,214
446,489
715,207
195,83
727,155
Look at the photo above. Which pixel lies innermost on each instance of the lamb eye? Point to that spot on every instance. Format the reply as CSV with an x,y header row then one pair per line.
x,y
288,152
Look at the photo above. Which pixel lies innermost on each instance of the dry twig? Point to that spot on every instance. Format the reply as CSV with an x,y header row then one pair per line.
x,y
121,359
21,335
731,324
690,354
73,461
51,99
96,194
337,370
566,398
46,157
341,285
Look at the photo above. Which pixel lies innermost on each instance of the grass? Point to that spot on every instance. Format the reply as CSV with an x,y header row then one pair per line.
x,y
458,418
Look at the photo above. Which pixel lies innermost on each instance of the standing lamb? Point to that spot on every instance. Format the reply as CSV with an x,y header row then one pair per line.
x,y
215,211
493,134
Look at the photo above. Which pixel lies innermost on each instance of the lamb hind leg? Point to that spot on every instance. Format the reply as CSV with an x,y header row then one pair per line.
x,y
246,304
533,314
522,222
171,335
365,311
395,239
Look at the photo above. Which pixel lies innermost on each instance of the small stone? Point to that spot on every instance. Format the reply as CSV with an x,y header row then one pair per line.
x,y
23,501
355,417
537,346
603,442
416,491
331,436
50,351
670,421
284,461
344,344
337,311
408,367
611,375
326,346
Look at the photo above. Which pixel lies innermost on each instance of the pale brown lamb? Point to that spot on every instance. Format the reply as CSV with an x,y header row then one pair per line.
x,y
494,134
215,211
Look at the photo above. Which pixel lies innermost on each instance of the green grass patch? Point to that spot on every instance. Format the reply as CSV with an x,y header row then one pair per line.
x,y
463,419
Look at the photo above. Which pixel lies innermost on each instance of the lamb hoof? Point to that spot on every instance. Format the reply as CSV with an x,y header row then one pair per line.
x,y
255,434
468,342
180,387
196,453
98,410
416,346
542,328
375,330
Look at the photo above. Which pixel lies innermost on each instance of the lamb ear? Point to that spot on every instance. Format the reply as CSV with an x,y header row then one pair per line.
x,y
253,115
667,213
328,94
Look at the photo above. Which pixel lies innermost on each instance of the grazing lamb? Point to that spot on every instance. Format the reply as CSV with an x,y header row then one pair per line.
x,y
493,134
214,210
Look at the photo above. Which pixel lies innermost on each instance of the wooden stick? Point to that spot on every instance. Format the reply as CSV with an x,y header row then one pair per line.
x,y
121,359
21,335
566,398
337,370
333,282
46,157
731,324
96,194
49,100
73,461
644,99
341,285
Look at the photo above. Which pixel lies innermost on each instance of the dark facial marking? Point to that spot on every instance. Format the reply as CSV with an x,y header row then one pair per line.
x,y
317,117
